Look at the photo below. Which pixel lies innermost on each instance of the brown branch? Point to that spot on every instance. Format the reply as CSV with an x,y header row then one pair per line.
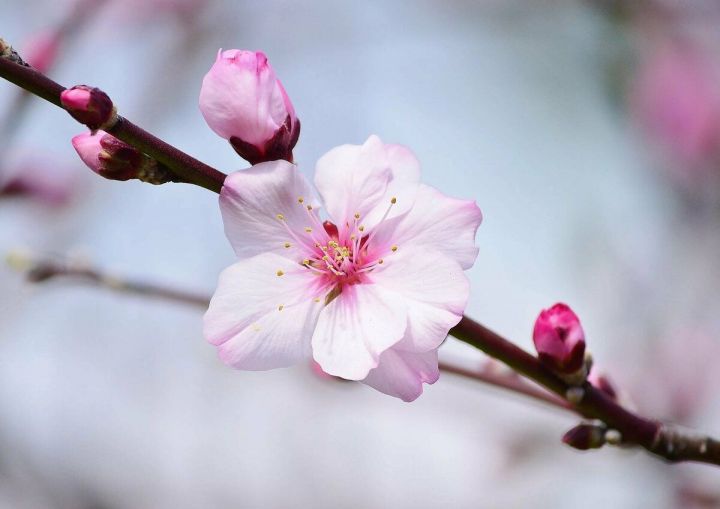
x,y
663,440
183,165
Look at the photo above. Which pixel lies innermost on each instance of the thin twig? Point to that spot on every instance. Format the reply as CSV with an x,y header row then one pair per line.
x,y
185,166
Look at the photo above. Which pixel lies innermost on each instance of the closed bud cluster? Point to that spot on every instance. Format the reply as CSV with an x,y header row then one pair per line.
x,y
89,106
560,341
242,100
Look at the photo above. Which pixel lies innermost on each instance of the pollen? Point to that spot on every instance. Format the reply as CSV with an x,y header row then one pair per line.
x,y
393,200
279,273
393,249
280,217
287,245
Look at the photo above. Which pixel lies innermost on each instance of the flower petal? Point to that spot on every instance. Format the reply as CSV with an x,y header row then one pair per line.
x,y
435,222
401,374
363,178
277,339
356,327
250,202
250,289
436,291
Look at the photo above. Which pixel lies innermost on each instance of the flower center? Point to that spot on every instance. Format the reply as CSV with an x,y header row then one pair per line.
x,y
337,254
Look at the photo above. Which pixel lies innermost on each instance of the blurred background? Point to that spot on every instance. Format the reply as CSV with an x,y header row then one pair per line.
x,y
587,131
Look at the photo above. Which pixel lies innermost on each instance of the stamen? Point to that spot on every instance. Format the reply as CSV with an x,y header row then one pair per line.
x,y
280,217
280,307
279,273
287,245
393,200
301,199
357,215
393,249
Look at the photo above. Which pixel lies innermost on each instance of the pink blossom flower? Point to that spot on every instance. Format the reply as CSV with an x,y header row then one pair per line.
x,y
243,102
369,293
41,50
676,98
44,181
559,339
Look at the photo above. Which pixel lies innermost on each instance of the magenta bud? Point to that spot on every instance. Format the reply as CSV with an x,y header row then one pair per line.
x,y
242,100
89,106
107,156
585,436
559,339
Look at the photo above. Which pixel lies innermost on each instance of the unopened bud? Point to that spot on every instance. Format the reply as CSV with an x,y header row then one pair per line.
x,y
585,436
559,340
114,159
89,106
242,100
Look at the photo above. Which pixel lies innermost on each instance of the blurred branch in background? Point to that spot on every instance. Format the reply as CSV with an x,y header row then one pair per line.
x,y
44,269
668,442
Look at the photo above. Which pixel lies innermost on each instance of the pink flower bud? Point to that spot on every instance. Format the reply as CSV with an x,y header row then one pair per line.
x,y
107,156
90,106
243,102
585,436
559,339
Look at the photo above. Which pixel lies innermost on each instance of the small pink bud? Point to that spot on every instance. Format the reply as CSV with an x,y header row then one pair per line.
x,y
559,339
107,156
242,100
585,436
87,105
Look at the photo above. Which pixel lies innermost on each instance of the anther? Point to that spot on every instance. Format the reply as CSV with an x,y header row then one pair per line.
x,y
357,215
279,273
393,200
280,217
309,207
301,199
393,249
381,261
361,228
308,229
287,245
280,307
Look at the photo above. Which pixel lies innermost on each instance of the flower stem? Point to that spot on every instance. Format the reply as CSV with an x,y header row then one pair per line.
x,y
183,165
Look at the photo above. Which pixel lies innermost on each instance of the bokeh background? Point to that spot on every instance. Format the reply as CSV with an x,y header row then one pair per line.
x,y
587,131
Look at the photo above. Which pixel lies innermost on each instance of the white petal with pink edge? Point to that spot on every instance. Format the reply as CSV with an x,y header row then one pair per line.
x,y
362,179
264,208
435,289
436,222
402,374
252,288
356,327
